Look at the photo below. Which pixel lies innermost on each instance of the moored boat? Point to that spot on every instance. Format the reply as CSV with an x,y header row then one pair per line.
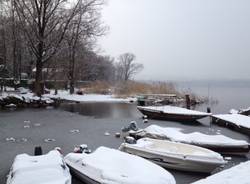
x,y
236,174
171,113
218,143
49,168
237,122
174,155
112,166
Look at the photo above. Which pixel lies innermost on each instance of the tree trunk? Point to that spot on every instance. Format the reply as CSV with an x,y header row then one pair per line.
x,y
72,73
38,86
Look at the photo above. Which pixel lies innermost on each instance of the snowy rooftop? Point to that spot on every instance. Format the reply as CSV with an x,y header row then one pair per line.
x,y
237,119
173,110
175,134
39,169
113,166
236,174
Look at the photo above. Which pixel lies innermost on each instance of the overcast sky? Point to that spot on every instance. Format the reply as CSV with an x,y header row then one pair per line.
x,y
181,39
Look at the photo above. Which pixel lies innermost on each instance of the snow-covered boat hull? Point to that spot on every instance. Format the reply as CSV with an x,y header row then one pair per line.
x,y
176,161
80,175
218,143
107,165
48,168
171,116
237,122
235,174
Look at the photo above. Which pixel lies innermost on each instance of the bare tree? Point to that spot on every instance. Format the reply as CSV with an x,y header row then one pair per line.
x,y
126,67
84,27
44,24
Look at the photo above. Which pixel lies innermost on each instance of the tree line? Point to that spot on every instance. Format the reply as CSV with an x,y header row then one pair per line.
x,y
56,40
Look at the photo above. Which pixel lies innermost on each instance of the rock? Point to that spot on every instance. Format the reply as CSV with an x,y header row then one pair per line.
x,y
130,140
117,134
11,105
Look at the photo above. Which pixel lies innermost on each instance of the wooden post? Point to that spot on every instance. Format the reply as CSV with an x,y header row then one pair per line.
x,y
188,101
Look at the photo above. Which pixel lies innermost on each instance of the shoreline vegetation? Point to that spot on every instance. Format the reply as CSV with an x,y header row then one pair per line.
x,y
98,91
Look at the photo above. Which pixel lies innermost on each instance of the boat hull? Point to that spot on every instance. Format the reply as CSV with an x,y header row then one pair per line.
x,y
80,175
230,125
174,162
168,116
223,149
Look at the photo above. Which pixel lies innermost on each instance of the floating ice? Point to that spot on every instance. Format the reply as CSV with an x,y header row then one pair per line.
x,y
107,134
74,131
49,140
10,139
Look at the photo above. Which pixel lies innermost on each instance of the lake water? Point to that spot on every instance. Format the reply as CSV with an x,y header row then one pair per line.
x,y
73,124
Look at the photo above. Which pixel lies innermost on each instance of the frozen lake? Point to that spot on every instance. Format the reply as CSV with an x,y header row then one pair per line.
x,y
73,124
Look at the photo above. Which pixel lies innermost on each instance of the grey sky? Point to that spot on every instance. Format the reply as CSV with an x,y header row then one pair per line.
x,y
181,39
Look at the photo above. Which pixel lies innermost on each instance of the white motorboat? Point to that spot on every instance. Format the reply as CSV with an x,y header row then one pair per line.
x,y
112,166
174,155
218,143
49,168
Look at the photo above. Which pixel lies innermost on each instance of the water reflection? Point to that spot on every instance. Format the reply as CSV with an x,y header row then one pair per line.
x,y
103,110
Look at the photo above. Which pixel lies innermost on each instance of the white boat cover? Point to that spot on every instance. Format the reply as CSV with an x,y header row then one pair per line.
x,y
236,174
237,119
175,134
112,166
177,150
43,169
173,110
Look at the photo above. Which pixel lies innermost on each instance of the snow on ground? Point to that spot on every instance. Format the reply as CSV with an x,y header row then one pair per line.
x,y
237,119
174,110
48,168
62,94
113,166
175,134
236,174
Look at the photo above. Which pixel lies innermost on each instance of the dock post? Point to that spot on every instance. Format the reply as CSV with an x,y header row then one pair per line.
x,y
210,118
38,151
188,101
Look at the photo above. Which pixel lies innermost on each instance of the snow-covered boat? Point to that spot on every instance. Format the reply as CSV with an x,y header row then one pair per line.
x,y
218,143
49,168
175,155
245,111
237,174
171,113
112,166
236,122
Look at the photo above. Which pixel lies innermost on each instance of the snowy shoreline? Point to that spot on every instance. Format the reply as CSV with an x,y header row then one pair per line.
x,y
14,99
